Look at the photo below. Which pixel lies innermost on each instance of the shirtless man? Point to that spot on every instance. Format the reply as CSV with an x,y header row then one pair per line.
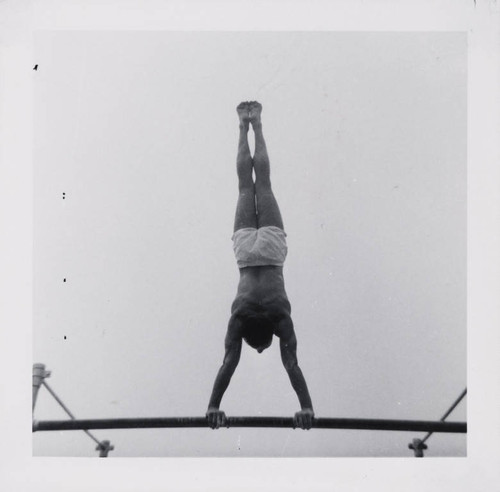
x,y
261,308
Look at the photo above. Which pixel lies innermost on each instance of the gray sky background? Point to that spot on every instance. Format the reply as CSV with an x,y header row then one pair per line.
x,y
367,139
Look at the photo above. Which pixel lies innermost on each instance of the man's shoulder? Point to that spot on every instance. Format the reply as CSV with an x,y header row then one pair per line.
x,y
285,329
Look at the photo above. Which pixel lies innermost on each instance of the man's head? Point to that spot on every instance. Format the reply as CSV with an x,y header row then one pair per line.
x,y
258,332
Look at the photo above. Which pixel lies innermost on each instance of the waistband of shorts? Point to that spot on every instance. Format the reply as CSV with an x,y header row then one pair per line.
x,y
245,229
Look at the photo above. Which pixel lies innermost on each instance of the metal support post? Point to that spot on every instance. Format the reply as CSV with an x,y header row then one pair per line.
x,y
39,374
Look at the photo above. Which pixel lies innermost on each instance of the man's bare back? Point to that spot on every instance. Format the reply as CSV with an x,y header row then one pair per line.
x,y
261,291
261,309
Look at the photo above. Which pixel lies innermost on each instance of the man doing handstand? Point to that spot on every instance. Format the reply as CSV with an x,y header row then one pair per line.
x,y
261,308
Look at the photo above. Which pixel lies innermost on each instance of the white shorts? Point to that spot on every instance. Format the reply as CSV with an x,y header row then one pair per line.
x,y
265,246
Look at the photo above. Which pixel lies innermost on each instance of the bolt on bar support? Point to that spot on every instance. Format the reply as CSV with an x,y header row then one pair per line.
x,y
104,447
418,447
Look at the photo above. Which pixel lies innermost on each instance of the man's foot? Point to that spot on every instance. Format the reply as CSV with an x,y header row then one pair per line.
x,y
243,111
255,109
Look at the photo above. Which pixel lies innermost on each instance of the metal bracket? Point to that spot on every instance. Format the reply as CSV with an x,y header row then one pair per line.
x,y
39,374
104,447
418,447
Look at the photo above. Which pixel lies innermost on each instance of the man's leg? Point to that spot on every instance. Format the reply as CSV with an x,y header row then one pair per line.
x,y
268,212
245,208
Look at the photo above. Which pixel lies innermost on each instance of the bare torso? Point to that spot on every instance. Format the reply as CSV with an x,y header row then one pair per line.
x,y
261,291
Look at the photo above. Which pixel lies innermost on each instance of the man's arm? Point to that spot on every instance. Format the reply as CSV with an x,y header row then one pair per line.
x,y
288,347
217,418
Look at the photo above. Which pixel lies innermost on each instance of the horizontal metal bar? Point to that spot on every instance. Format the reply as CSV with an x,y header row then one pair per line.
x,y
318,423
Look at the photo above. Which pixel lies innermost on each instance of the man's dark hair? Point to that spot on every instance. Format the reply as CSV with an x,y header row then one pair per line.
x,y
258,331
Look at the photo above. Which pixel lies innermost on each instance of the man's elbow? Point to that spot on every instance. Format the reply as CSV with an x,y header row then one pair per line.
x,y
291,366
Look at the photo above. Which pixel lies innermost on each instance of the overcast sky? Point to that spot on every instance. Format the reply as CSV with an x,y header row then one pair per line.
x,y
367,139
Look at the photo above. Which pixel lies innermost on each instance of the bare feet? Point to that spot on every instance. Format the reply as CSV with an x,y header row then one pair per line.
x,y
255,109
243,111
